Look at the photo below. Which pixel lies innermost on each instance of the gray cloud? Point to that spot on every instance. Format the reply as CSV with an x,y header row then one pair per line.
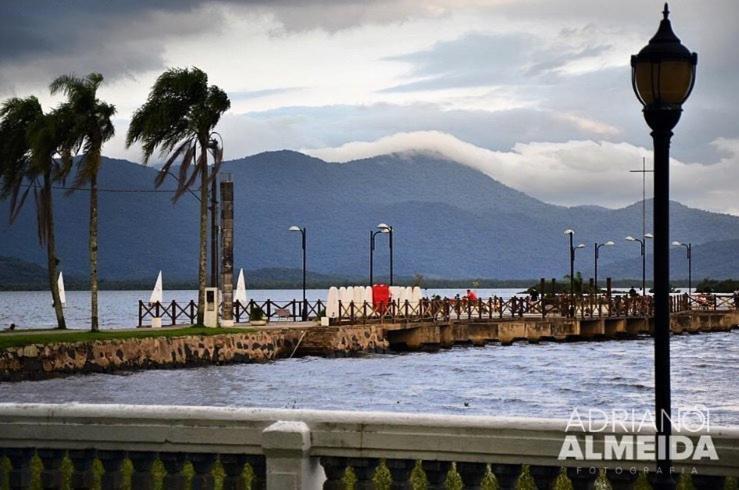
x,y
39,40
478,59
256,94
127,33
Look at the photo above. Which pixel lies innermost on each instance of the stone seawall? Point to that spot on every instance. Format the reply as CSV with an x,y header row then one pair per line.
x,y
38,361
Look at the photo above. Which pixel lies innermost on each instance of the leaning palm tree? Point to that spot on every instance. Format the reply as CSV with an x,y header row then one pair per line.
x,y
179,118
90,127
32,158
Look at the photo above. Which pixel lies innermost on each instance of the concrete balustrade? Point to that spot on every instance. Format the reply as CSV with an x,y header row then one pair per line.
x,y
303,449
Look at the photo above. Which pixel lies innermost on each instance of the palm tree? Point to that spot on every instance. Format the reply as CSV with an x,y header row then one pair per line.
x,y
178,117
90,127
32,158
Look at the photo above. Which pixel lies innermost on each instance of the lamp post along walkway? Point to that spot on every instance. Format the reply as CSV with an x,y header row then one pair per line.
x,y
597,246
689,249
643,250
384,228
663,75
571,234
302,231
373,234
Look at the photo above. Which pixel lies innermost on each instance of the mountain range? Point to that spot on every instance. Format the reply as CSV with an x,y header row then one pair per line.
x,y
449,221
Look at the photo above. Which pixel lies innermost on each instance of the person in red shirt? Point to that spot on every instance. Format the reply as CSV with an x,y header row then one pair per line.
x,y
471,295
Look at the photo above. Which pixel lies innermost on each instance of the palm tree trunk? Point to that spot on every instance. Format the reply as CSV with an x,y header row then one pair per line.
x,y
203,256
51,253
94,254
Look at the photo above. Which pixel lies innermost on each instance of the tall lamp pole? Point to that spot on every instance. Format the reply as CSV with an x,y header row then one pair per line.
x,y
662,75
372,236
389,230
305,301
689,249
643,249
597,247
571,234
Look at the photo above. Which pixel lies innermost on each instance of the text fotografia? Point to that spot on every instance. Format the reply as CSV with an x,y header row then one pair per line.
x,y
622,435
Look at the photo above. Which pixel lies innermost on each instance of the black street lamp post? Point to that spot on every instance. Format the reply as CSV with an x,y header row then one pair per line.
x,y
305,302
689,249
597,246
571,233
643,249
372,236
663,75
383,228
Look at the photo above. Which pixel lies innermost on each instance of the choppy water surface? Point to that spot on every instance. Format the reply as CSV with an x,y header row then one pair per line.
x,y
545,380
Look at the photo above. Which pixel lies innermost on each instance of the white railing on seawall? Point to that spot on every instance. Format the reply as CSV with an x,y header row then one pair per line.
x,y
309,449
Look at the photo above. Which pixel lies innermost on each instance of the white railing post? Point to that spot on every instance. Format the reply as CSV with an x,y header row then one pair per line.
x,y
290,466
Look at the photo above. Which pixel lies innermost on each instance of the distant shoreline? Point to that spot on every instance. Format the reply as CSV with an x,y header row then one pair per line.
x,y
426,284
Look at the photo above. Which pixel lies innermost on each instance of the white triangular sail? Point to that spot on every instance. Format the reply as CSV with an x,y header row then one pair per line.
x,y
157,293
240,294
60,286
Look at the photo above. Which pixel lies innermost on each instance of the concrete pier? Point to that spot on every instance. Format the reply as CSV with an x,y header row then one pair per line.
x,y
430,336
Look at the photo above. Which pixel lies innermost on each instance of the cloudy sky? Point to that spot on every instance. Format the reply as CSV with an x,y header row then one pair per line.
x,y
533,93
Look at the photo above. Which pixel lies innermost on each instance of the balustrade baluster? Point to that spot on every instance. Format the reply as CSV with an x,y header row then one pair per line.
x,y
82,476
436,473
334,467
507,475
706,482
173,463
233,467
582,478
202,463
364,469
621,480
400,470
472,474
258,465
141,477
20,472
544,476
112,462
51,472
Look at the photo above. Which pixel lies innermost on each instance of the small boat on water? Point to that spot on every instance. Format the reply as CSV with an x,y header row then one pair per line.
x,y
240,293
60,286
157,296
157,293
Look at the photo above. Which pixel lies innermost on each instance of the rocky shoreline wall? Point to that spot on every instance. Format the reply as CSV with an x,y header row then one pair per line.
x,y
36,361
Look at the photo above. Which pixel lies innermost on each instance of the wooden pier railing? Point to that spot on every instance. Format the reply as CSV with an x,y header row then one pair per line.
x,y
445,309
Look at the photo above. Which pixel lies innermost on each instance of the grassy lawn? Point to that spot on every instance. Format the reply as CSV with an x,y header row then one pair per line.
x,y
18,339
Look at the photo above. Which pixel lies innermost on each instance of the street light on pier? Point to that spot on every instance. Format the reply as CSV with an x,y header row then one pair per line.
x,y
689,249
573,248
384,228
302,236
597,246
662,75
643,248
372,235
